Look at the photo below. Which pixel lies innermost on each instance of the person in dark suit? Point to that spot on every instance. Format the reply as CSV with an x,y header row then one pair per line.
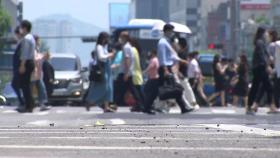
x,y
48,74
16,64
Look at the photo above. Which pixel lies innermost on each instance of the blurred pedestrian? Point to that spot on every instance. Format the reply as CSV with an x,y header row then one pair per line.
x,y
219,79
101,92
272,52
119,84
196,78
230,75
277,70
183,68
48,74
127,73
137,76
151,87
167,57
16,65
241,82
261,72
26,67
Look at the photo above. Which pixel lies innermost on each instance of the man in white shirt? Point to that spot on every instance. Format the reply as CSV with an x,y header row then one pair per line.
x,y
195,78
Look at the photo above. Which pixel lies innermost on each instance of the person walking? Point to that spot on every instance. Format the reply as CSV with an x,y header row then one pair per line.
x,y
219,79
16,74
37,77
196,78
101,92
167,58
128,65
48,74
241,82
26,67
261,71
277,70
151,87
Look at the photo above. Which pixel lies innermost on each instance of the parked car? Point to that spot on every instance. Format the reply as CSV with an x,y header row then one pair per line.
x,y
71,81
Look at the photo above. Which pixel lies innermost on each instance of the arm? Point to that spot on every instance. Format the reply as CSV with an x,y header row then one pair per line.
x,y
162,57
102,55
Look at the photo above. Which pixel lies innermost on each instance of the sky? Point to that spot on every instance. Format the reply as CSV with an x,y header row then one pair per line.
x,y
95,12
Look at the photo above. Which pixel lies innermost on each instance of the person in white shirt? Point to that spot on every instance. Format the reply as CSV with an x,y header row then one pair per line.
x,y
196,78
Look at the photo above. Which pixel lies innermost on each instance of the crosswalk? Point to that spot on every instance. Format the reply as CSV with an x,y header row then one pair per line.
x,y
198,140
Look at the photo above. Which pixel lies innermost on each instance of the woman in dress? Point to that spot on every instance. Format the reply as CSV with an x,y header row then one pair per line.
x,y
219,79
241,88
101,93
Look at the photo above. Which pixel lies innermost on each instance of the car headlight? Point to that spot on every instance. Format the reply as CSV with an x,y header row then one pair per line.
x,y
77,80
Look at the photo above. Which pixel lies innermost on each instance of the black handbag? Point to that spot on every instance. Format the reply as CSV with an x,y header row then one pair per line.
x,y
97,71
171,89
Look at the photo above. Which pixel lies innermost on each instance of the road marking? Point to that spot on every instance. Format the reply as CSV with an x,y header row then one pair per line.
x,y
245,129
9,112
136,148
142,138
219,111
117,121
40,123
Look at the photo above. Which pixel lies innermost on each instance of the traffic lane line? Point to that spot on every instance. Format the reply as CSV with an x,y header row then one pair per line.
x,y
245,129
127,148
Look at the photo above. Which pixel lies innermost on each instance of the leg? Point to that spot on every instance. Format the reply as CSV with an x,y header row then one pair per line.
x,y
151,93
16,87
235,100
254,89
223,99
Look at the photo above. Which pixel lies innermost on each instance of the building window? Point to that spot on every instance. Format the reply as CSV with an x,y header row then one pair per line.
x,y
191,11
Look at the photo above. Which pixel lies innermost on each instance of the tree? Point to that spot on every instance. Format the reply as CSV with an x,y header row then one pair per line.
x,y
5,23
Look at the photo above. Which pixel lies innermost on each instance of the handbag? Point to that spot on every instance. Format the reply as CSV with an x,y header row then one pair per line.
x,y
170,89
97,71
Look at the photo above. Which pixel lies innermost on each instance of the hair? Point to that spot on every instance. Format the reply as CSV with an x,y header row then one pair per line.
x,y
101,37
274,35
193,54
47,55
217,59
125,35
244,62
135,44
183,43
36,38
118,46
17,30
153,52
26,25
259,34
168,27
93,54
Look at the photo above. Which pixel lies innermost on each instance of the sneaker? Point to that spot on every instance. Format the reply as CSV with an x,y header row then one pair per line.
x,y
44,108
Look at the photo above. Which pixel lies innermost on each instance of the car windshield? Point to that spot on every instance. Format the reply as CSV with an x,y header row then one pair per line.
x,y
64,64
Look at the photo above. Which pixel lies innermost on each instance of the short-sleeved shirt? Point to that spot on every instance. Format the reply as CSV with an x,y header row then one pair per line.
x,y
152,69
137,70
164,53
28,47
193,69
128,53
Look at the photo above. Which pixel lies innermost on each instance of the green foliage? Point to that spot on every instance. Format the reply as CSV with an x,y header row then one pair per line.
x,y
5,23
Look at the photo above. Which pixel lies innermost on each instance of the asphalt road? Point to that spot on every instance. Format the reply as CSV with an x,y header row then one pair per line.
x,y
72,132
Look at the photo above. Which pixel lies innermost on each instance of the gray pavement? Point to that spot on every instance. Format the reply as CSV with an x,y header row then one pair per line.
x,y
72,132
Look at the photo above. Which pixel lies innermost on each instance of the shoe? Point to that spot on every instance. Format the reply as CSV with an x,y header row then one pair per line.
x,y
44,108
149,112
273,112
136,109
196,107
250,113
187,111
21,110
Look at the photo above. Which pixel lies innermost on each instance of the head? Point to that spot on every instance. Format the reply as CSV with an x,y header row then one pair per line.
x,y
168,30
37,40
243,59
273,34
153,53
25,27
124,37
217,59
103,38
261,34
47,56
118,46
18,35
183,44
135,44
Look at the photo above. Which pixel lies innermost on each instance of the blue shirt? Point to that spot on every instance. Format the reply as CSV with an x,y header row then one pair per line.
x,y
164,53
28,47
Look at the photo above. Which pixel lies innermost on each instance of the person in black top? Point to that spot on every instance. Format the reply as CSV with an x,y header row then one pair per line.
x,y
48,74
16,75
261,71
241,82
219,79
